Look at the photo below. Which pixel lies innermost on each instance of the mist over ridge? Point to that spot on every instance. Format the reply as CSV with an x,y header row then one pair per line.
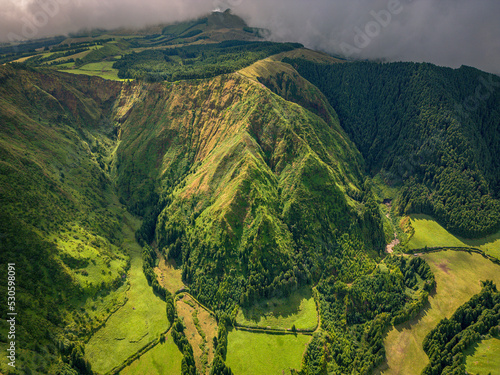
x,y
446,32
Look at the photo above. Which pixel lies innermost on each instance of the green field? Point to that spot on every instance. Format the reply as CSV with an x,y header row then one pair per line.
x,y
458,275
282,313
103,69
430,233
259,353
141,320
484,358
163,359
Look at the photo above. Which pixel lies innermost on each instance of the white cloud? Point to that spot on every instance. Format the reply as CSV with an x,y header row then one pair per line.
x,y
445,32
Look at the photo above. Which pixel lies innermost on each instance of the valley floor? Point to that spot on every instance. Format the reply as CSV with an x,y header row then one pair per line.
x,y
137,323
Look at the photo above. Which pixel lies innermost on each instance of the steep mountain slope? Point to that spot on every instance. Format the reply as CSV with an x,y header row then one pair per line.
x,y
254,195
434,130
248,182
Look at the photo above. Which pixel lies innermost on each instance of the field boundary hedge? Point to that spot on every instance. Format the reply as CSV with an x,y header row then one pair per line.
x,y
469,250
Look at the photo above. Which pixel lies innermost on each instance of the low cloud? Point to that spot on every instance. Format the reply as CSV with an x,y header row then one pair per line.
x,y
445,32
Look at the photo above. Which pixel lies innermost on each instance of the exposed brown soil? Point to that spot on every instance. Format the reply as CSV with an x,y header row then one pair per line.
x,y
202,347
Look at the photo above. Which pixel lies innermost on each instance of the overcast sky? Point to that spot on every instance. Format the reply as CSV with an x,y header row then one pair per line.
x,y
445,32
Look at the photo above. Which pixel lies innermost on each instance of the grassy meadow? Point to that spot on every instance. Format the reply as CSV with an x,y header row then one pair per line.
x,y
168,274
430,233
484,358
139,321
163,359
458,276
258,353
103,69
283,313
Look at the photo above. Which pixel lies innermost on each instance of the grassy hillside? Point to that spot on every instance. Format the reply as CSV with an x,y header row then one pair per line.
x,y
60,221
219,43
248,190
235,176
228,183
409,121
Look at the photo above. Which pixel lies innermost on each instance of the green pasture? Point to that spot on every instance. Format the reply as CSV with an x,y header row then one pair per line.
x,y
139,321
259,353
299,309
484,358
163,359
430,233
458,277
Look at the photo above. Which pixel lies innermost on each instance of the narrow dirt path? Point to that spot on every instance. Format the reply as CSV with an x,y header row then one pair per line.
x,y
390,247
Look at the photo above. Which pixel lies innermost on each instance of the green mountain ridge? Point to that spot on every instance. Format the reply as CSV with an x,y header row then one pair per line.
x,y
235,171
249,184
236,175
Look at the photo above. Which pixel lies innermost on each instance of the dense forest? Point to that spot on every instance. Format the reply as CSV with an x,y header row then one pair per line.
x,y
355,317
196,61
421,126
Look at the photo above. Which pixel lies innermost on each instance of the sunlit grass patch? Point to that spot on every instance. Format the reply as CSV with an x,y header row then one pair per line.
x,y
458,277
259,353
164,359
428,232
484,358
299,309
